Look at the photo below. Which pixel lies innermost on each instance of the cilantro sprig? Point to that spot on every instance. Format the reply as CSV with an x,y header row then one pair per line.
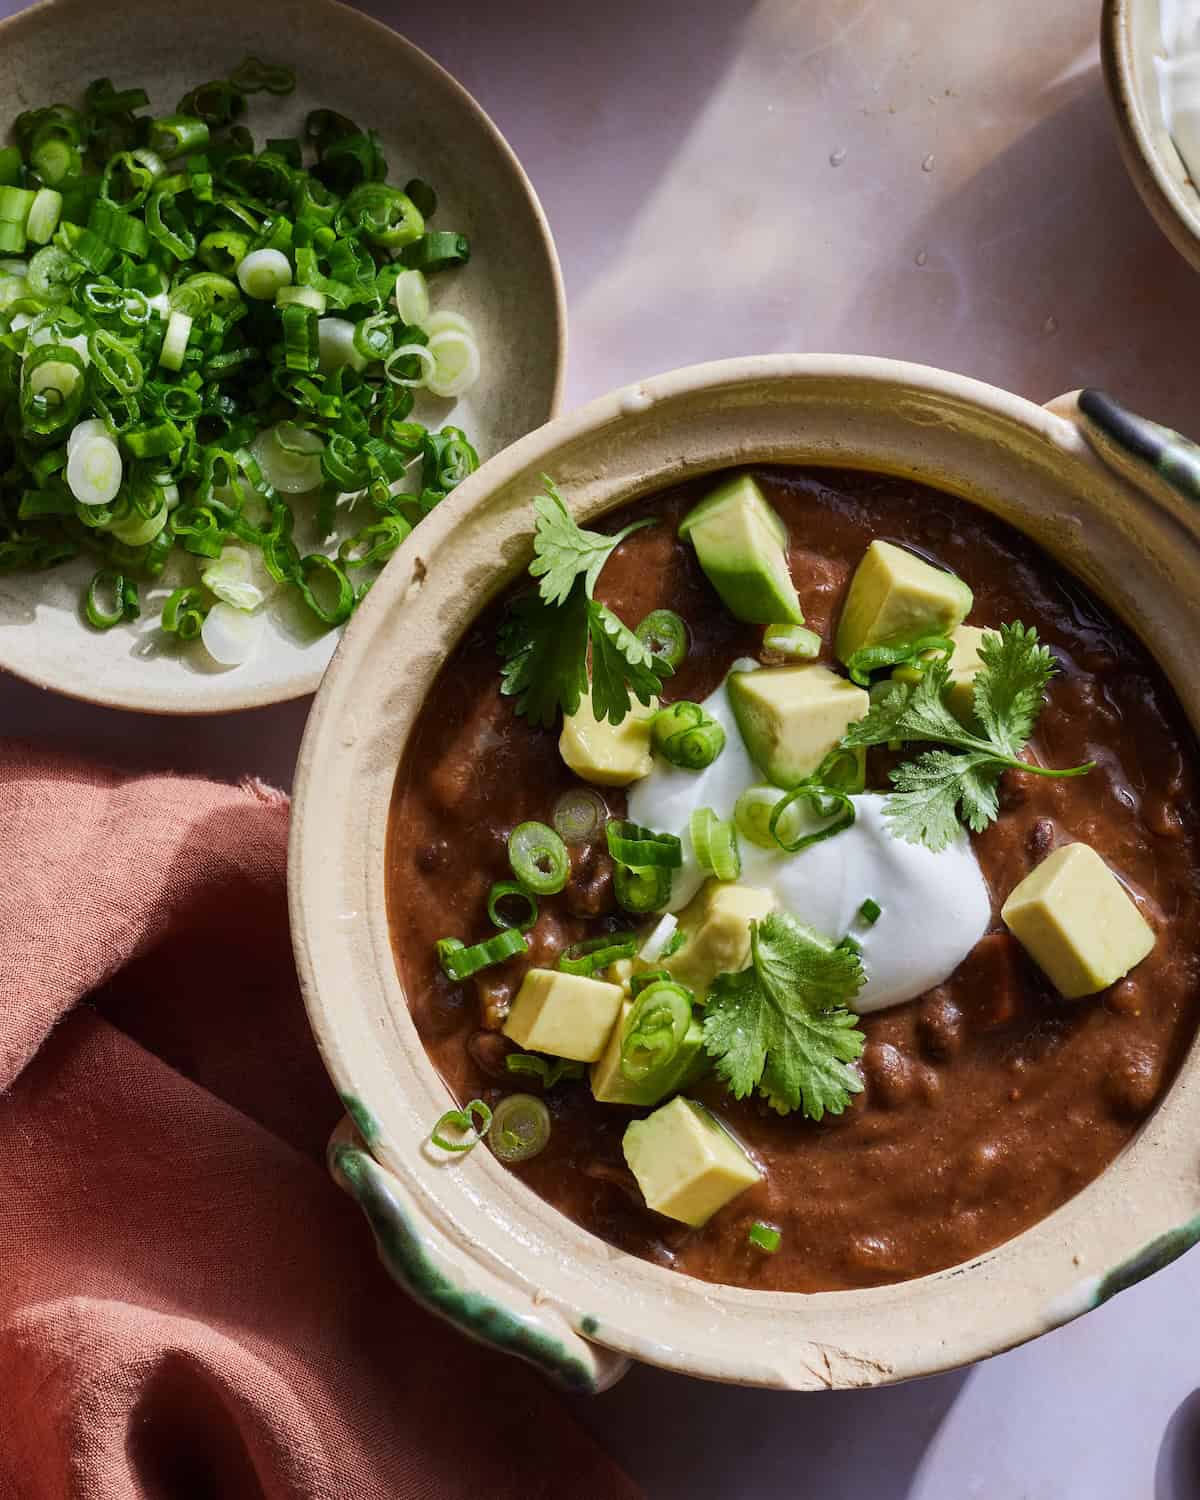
x,y
782,1026
546,634
940,786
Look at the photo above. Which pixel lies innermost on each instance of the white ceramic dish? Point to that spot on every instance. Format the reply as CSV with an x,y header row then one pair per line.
x,y
470,1239
1131,41
511,290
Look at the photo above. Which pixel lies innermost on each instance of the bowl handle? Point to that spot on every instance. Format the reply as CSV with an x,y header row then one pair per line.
x,y
1160,462
455,1287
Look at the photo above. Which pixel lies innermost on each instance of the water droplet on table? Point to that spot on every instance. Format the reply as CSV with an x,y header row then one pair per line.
x,y
920,257
1050,325
837,156
927,164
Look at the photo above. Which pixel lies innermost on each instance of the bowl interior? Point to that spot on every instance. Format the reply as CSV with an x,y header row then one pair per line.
x,y
1134,46
1012,458
431,128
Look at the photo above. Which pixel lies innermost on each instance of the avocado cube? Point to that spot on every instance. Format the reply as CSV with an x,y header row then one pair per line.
x,y
686,1163
716,933
742,546
960,695
894,596
564,1015
790,718
1077,921
609,1084
608,754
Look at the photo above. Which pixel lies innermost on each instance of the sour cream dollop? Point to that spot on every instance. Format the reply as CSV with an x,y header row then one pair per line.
x,y
935,907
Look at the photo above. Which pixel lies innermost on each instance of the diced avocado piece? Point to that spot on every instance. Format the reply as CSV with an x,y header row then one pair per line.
x,y
895,596
610,1086
564,1015
964,664
1077,921
716,933
686,1163
742,546
608,754
790,718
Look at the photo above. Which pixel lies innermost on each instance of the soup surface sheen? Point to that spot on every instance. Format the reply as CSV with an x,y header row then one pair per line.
x,y
989,1100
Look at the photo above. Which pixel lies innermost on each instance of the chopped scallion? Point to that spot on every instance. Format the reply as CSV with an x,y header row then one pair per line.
x,y
764,1238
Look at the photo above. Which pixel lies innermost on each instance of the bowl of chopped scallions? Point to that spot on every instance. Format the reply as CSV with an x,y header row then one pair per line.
x,y
271,286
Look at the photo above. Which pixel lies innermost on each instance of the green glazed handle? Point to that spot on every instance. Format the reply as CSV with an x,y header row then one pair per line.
x,y
451,1283
1158,460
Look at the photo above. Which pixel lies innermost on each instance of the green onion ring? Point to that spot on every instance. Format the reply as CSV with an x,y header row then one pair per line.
x,y
686,736
459,962
594,954
520,1128
655,1031
665,634
462,1120
539,858
643,890
512,890
630,844
579,815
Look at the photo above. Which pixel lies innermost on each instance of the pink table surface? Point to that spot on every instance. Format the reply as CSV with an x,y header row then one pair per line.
x,y
931,182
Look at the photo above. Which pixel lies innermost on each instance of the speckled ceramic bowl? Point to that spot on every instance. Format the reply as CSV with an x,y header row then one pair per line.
x,y
1130,40
431,127
468,1237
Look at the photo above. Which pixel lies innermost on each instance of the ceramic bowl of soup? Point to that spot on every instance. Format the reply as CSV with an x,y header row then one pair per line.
x,y
939,1154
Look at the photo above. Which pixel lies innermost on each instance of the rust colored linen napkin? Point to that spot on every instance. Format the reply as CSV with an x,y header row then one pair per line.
x,y
188,1307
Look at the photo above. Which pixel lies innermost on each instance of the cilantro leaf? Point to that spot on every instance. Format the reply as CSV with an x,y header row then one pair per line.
x,y
545,656
1009,692
931,790
562,550
782,1026
937,788
620,663
545,637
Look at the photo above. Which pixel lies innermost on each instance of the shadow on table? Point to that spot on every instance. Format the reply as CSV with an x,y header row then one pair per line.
x,y
261,741
1044,272
836,1439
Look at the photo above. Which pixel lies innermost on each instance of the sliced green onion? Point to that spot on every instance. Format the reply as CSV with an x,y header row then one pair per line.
x,y
630,844
437,251
764,1238
334,604
642,890
52,272
826,802
460,962
507,892
457,1130
664,633
154,440
301,296
263,272
223,250
869,912
176,135
714,841
336,345
548,1070
411,296
593,954
392,366
752,814
660,939
520,1128
579,815
253,76
230,578
290,457
183,613
175,341
793,641
539,858
870,659
44,214
121,592
301,339
851,945
656,1030
686,736
230,635
456,363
